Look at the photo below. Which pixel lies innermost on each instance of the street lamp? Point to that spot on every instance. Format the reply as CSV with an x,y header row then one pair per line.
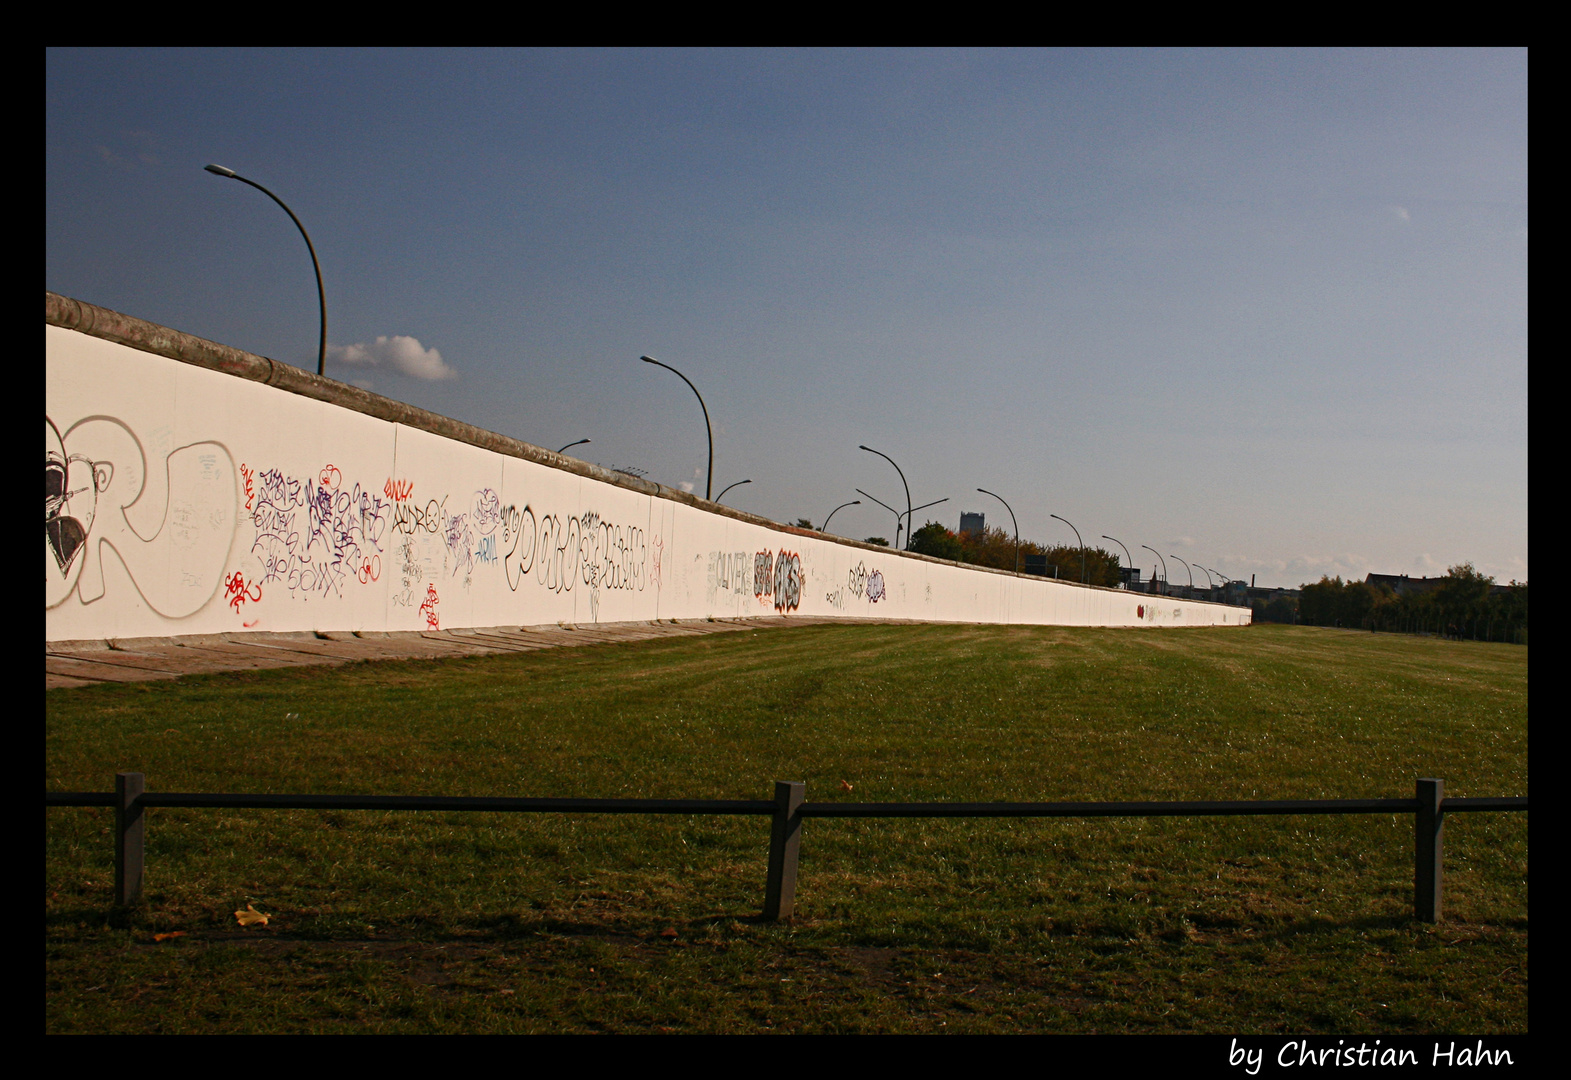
x,y
924,506
1082,547
1016,524
836,510
895,512
321,296
728,487
891,461
886,506
1190,572
1158,554
1121,544
709,484
570,445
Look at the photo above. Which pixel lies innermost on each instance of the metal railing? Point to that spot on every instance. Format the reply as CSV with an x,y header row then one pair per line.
x,y
786,812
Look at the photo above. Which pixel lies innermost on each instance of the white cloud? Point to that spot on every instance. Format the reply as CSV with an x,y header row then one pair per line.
x,y
403,354
1401,213
685,486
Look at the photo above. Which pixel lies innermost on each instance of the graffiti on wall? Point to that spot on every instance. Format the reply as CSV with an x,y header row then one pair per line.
x,y
169,524
563,550
732,571
777,579
875,587
862,582
314,535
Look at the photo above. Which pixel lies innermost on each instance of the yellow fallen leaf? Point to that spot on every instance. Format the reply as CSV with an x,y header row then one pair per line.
x,y
845,784
170,934
251,917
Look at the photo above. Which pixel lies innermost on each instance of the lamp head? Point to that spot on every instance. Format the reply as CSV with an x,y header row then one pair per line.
x,y
219,170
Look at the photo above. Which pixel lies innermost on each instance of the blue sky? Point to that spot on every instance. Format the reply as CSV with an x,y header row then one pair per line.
x,y
1265,311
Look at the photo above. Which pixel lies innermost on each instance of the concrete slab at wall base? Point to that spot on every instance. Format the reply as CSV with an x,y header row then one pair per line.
x,y
84,663
192,489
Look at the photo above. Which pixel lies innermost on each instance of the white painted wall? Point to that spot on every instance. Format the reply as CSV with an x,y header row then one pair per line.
x,y
198,502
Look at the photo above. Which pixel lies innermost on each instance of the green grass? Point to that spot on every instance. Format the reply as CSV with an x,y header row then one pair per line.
x,y
475,922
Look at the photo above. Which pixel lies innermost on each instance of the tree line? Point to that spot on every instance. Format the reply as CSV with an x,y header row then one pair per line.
x,y
1466,604
995,547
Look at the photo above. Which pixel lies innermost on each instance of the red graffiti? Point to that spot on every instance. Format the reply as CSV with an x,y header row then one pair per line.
x,y
428,609
236,592
370,569
398,490
250,495
250,624
329,477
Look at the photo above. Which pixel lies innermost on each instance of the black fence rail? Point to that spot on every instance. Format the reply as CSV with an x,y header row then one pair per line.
x,y
786,812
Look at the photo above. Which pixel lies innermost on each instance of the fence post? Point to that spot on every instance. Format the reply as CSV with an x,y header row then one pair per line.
x,y
128,837
1428,835
785,837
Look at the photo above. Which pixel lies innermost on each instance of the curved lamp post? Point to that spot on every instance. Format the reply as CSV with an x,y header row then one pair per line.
x,y
321,296
886,506
728,487
1016,524
570,445
891,461
1082,547
836,510
924,506
1191,574
709,484
1158,554
1121,544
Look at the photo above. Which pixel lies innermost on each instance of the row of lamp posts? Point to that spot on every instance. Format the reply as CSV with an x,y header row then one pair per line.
x,y
902,522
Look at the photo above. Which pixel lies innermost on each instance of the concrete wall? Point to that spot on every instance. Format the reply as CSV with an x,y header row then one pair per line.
x,y
198,496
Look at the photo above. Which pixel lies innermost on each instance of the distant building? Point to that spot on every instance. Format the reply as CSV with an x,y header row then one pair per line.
x,y
973,524
1403,585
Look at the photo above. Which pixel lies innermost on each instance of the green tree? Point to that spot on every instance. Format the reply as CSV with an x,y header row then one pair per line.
x,y
1318,603
1463,598
935,540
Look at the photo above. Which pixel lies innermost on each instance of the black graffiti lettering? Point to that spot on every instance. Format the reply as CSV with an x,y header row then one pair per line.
x,y
788,581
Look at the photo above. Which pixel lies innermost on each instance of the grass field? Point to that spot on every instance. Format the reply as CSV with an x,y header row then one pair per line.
x,y
541,923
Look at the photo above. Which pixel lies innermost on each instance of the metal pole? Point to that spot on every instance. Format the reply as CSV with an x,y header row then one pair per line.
x,y
785,840
570,445
836,510
1121,544
886,506
728,487
924,506
1428,834
321,295
1158,554
1190,572
1082,544
1016,524
128,837
891,461
709,484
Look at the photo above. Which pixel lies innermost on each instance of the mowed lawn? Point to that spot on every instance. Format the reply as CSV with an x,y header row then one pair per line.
x,y
383,922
